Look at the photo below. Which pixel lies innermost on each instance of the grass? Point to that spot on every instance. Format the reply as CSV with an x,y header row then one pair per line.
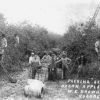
x,y
54,90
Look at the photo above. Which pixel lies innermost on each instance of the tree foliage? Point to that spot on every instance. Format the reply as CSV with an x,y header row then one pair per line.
x,y
34,38
77,44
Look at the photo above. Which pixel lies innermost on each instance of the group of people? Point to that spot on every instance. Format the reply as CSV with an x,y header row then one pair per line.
x,y
61,60
34,60
35,64
52,61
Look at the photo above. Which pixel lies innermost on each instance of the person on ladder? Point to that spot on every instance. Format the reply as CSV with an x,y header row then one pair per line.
x,y
97,47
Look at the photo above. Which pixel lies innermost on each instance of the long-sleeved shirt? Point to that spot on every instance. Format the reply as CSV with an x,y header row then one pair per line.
x,y
46,58
34,59
3,43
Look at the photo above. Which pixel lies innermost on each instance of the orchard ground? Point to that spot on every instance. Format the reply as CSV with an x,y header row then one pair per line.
x,y
14,91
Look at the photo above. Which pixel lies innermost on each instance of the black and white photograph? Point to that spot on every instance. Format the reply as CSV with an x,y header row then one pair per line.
x,y
49,49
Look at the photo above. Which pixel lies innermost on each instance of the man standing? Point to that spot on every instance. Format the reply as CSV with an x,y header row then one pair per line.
x,y
52,71
34,61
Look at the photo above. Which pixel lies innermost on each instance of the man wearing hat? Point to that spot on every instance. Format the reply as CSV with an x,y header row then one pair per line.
x,y
65,61
34,61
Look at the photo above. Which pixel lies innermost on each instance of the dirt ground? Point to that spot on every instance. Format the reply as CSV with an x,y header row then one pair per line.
x,y
14,91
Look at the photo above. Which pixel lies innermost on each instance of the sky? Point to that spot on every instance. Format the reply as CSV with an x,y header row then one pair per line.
x,y
55,15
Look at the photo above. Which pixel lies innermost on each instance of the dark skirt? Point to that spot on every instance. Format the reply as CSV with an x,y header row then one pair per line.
x,y
52,73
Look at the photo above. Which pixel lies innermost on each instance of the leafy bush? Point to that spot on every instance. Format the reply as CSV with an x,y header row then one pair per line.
x,y
76,44
34,38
